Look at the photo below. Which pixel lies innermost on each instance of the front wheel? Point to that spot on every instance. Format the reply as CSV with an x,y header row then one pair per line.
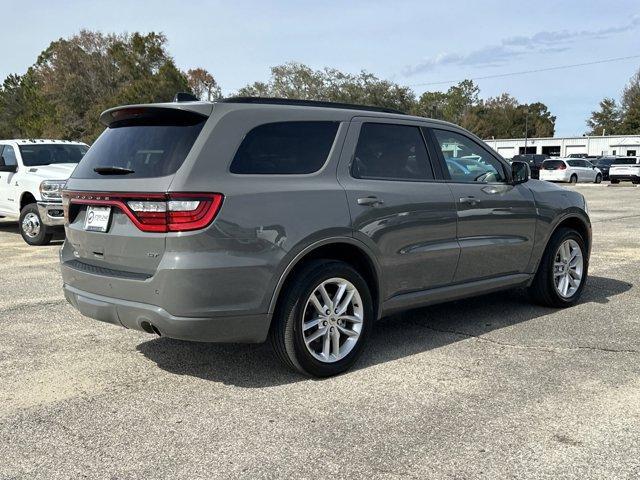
x,y
562,272
598,179
323,319
33,231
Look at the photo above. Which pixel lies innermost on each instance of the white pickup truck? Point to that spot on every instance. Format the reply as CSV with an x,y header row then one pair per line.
x,y
32,176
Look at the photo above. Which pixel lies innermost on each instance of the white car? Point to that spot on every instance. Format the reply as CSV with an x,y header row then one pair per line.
x,y
32,176
572,170
625,169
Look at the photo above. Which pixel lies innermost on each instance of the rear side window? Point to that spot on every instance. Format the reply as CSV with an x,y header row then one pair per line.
x,y
391,152
285,148
150,146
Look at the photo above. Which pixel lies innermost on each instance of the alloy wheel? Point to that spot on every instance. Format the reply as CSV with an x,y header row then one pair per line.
x,y
332,320
568,268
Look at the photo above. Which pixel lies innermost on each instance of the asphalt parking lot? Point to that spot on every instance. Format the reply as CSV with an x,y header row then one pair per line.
x,y
490,387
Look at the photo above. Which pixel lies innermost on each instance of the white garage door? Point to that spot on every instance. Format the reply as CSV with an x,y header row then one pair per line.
x,y
575,149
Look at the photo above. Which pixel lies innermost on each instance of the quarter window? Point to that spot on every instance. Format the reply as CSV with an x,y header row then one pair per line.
x,y
285,148
391,152
467,161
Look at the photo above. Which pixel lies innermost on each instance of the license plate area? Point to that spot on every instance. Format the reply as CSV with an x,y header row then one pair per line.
x,y
97,218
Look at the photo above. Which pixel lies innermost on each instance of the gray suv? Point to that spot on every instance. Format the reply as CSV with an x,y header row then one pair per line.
x,y
304,222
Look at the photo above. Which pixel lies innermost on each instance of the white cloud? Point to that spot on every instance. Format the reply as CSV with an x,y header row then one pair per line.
x,y
514,47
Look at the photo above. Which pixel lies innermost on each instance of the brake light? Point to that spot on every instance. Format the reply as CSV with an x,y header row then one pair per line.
x,y
155,212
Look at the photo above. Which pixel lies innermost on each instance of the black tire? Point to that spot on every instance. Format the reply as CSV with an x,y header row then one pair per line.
x,y
615,181
286,333
543,290
573,180
598,179
43,236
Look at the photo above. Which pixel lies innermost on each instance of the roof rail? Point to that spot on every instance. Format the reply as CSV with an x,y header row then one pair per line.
x,y
307,103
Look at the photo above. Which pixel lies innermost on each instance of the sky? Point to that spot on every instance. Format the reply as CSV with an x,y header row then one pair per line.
x,y
412,42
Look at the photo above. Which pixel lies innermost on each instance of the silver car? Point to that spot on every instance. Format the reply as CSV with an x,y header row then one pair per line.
x,y
304,222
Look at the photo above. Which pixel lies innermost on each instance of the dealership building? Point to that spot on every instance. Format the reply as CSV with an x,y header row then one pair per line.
x,y
565,146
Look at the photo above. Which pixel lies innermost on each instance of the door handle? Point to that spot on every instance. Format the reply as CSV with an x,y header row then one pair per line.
x,y
370,201
473,201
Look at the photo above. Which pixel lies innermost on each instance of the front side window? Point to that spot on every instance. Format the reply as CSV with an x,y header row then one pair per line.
x,y
8,156
467,161
285,148
391,152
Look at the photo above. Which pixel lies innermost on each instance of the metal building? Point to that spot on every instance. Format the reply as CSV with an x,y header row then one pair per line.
x,y
564,146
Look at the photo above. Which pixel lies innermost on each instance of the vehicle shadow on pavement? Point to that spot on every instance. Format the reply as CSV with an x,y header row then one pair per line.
x,y
12,227
394,337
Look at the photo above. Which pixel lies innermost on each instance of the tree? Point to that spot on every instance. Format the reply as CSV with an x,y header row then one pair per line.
x,y
451,105
203,85
631,106
606,120
73,80
296,80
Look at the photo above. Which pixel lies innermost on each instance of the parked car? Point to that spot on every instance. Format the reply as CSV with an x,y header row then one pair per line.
x,y
570,170
32,174
534,160
625,169
577,155
604,163
304,222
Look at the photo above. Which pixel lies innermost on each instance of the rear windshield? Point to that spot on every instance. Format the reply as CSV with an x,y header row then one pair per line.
x,y
625,161
47,154
144,148
552,164
285,148
604,162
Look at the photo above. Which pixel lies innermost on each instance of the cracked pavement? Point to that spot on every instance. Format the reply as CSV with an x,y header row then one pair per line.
x,y
490,387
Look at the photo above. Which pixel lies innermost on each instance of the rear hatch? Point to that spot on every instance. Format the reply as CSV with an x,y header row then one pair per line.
x,y
554,165
116,205
625,166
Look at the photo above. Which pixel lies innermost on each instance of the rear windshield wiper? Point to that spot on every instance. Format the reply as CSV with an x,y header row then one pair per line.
x,y
113,170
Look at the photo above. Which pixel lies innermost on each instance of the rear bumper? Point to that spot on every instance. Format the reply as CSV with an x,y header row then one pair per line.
x,y
51,213
628,178
555,177
144,317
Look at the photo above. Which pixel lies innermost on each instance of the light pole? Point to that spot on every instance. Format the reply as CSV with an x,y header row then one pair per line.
x,y
526,129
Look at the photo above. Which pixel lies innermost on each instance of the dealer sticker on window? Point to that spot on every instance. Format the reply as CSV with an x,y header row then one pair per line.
x,y
97,218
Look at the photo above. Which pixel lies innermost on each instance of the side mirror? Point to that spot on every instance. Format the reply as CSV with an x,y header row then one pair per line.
x,y
520,172
9,168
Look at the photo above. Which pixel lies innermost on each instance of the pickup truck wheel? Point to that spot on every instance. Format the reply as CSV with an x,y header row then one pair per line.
x,y
33,231
562,272
323,319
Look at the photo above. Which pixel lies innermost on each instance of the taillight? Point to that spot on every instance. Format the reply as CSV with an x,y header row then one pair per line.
x,y
155,212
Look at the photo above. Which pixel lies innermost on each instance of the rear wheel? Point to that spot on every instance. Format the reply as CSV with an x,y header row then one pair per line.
x,y
323,319
574,179
562,272
598,179
33,231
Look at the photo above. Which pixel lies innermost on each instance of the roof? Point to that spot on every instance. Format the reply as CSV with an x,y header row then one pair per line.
x,y
35,141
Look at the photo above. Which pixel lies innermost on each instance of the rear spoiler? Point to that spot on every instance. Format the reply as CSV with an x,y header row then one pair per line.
x,y
183,112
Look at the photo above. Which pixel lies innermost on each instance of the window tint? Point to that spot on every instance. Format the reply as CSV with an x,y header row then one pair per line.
x,y
8,156
624,161
48,154
285,148
151,147
391,152
573,163
553,165
467,161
